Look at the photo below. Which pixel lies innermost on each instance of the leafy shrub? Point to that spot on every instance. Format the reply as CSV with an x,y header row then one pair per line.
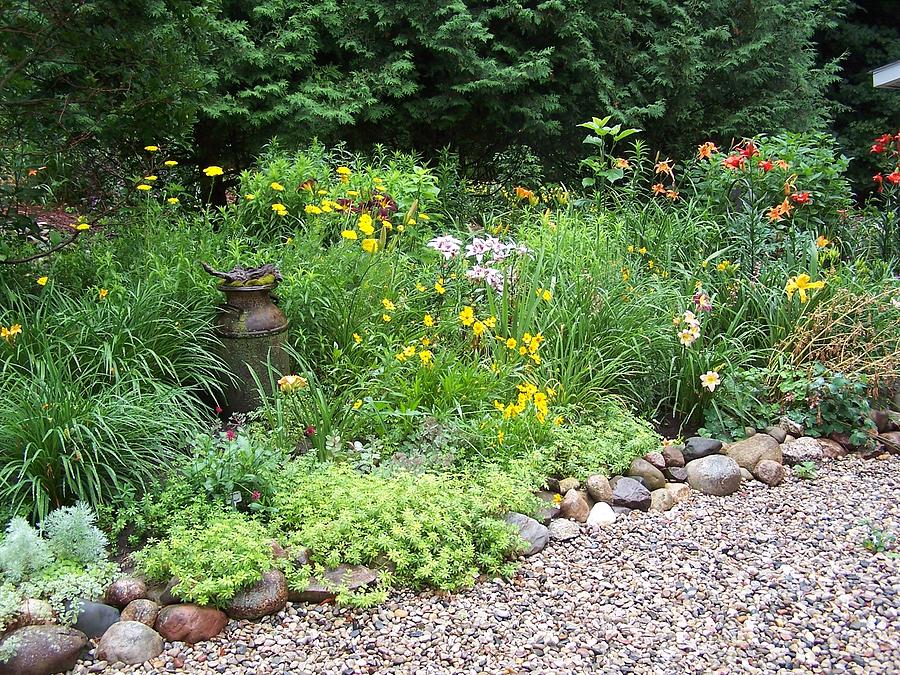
x,y
226,468
826,403
433,531
213,561
744,399
606,445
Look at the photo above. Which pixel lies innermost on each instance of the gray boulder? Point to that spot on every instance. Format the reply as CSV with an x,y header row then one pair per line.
x,y
804,449
749,452
267,596
94,618
630,494
129,642
563,530
535,534
714,475
653,477
698,447
777,433
43,650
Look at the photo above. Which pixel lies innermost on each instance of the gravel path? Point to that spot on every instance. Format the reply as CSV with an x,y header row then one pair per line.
x,y
769,580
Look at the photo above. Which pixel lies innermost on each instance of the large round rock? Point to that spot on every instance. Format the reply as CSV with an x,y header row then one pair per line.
x,y
535,534
43,650
190,623
714,475
751,451
129,642
266,596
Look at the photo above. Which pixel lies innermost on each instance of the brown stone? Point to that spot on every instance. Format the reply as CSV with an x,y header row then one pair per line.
x,y
831,449
673,455
567,484
141,610
599,489
641,468
41,650
122,591
679,491
769,472
575,507
190,623
267,596
656,459
891,440
749,452
661,500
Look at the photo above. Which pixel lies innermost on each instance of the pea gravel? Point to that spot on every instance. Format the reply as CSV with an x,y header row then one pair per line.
x,y
769,580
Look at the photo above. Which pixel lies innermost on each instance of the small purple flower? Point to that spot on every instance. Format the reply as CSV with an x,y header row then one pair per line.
x,y
230,434
255,495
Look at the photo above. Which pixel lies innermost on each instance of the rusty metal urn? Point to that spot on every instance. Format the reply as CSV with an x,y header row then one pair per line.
x,y
253,330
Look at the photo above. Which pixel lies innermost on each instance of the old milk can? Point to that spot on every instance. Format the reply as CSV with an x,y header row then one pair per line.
x,y
253,330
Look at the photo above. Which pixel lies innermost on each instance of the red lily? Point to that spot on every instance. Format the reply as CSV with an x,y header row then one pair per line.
x,y
800,197
878,148
879,179
884,139
894,177
766,165
734,161
749,150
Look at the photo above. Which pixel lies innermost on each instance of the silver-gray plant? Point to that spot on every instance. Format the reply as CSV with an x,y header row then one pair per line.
x,y
73,536
23,552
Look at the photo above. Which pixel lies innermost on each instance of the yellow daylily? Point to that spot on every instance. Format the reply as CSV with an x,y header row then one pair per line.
x,y
800,284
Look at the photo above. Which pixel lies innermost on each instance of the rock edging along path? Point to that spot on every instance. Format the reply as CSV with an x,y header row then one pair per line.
x,y
766,581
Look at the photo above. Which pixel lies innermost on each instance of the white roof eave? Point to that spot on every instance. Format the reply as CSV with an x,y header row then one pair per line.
x,y
887,77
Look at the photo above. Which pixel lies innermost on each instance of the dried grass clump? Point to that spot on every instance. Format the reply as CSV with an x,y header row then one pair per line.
x,y
851,333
